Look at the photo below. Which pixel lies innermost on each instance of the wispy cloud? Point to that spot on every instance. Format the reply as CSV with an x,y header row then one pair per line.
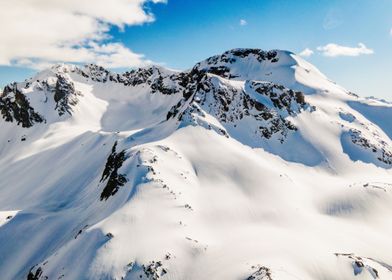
x,y
334,50
41,32
243,22
306,52
332,19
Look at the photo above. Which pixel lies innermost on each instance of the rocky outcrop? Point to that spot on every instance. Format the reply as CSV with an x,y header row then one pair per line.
x,y
260,273
35,275
95,73
14,106
158,79
111,175
365,266
154,270
380,148
265,105
65,95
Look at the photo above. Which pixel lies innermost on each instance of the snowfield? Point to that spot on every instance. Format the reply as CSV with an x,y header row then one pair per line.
x,y
252,165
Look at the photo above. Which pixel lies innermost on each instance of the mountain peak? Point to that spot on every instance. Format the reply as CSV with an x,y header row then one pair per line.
x,y
63,68
230,56
276,66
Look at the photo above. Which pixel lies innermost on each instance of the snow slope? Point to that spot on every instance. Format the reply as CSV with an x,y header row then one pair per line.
x,y
250,165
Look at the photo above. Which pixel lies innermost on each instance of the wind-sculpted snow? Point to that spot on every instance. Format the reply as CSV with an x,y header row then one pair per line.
x,y
373,269
249,165
366,141
380,113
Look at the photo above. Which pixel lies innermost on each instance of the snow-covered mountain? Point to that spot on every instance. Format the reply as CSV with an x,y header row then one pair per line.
x,y
250,165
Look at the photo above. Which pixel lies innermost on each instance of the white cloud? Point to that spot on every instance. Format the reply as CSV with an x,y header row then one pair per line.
x,y
306,52
334,50
243,22
35,33
390,32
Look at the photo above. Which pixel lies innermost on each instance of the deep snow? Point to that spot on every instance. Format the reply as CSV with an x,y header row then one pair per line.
x,y
251,165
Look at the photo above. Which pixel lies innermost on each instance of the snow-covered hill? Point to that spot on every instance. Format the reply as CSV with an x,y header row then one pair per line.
x,y
250,165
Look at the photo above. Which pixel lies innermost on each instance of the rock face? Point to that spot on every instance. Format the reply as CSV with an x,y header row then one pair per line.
x,y
379,148
221,64
15,102
154,77
65,95
110,174
15,107
261,273
250,165
365,267
266,105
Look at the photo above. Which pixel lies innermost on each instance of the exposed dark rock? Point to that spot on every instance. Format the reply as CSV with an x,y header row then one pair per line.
x,y
80,231
261,273
95,72
65,95
137,77
230,105
281,97
174,110
159,86
381,150
14,106
231,56
110,173
151,76
222,71
154,270
362,265
34,275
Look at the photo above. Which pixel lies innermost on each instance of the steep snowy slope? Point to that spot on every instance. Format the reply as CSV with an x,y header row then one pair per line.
x,y
250,165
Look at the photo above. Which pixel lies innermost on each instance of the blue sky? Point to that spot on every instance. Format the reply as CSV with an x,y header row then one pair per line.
x,y
186,31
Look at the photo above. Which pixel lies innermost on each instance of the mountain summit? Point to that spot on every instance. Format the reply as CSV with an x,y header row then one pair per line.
x,y
250,165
